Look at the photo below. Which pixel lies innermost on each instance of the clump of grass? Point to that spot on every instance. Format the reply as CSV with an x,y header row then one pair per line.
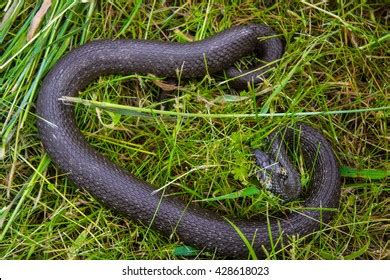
x,y
336,60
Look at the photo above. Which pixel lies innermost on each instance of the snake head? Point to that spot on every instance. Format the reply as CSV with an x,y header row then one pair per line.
x,y
286,185
278,177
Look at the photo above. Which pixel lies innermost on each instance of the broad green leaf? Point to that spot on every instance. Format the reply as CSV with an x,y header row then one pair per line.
x,y
249,191
364,173
185,251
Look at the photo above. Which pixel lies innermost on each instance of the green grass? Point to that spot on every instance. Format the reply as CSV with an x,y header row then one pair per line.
x,y
334,75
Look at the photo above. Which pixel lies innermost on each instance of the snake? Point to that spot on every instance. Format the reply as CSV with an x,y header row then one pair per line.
x,y
135,199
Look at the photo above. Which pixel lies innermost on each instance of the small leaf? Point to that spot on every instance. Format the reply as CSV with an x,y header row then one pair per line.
x,y
51,187
327,255
115,117
249,191
229,98
358,253
185,251
240,173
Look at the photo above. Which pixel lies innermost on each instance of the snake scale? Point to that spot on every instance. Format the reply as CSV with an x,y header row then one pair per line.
x,y
121,191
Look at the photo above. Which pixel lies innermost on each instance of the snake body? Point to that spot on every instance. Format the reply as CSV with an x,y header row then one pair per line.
x,y
121,191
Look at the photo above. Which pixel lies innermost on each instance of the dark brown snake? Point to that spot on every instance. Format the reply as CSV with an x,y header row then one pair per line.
x,y
134,198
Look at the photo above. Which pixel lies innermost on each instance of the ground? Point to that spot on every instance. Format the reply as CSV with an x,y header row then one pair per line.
x,y
334,76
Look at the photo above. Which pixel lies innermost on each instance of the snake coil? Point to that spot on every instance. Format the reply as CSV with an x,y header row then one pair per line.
x,y
122,192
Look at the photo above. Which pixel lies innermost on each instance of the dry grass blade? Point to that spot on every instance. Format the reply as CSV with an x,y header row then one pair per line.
x,y
38,19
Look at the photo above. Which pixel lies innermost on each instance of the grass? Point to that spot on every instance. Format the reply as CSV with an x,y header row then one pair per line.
x,y
334,75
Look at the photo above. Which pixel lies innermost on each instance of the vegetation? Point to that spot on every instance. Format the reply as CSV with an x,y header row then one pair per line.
x,y
336,64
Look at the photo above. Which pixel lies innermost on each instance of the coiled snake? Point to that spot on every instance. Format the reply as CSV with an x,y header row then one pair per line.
x,y
122,192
